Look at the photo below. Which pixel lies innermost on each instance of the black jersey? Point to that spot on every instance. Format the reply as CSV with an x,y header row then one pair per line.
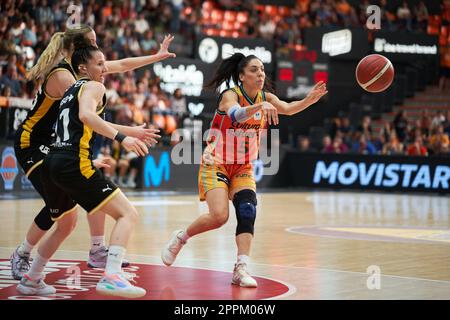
x,y
72,135
38,127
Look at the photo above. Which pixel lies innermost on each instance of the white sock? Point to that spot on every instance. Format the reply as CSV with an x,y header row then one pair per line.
x,y
25,247
243,259
37,267
97,242
114,261
183,236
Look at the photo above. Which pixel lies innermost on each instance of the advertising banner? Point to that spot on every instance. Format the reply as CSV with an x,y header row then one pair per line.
x,y
339,43
13,179
386,173
212,50
187,74
405,46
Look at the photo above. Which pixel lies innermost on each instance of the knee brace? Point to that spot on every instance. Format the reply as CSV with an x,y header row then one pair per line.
x,y
44,220
245,204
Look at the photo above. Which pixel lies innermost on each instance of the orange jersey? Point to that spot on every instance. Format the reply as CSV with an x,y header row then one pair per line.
x,y
233,142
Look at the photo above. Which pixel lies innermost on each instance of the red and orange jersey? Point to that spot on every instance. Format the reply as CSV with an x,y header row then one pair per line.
x,y
233,142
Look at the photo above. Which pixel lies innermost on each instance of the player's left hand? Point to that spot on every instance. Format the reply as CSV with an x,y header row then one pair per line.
x,y
317,92
149,136
101,163
164,48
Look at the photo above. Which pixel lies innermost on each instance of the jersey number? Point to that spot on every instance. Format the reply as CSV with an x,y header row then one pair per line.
x,y
64,115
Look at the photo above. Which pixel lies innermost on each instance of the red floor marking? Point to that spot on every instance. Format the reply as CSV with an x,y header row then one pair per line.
x,y
161,283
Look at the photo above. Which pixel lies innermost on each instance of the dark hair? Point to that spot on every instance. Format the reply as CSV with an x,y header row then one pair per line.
x,y
83,52
230,68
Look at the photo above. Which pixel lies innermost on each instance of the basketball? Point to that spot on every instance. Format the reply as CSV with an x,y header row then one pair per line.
x,y
374,73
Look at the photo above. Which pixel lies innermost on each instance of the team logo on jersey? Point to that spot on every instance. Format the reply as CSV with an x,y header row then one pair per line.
x,y
44,149
8,168
257,116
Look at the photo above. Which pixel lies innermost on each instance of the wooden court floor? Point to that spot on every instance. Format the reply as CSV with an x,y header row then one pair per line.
x,y
320,245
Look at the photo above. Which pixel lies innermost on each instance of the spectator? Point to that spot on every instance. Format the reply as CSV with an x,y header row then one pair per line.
x,y
304,144
438,119
401,125
267,27
425,122
365,128
141,24
10,80
393,146
439,141
327,146
178,102
417,148
363,146
421,13
148,43
404,16
29,33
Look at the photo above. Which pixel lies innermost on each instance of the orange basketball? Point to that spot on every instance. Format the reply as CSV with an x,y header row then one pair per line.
x,y
374,73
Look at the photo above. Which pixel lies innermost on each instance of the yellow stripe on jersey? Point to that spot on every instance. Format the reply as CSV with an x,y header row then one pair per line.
x,y
85,162
30,123
46,79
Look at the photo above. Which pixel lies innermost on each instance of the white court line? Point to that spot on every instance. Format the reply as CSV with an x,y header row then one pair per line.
x,y
258,264
158,203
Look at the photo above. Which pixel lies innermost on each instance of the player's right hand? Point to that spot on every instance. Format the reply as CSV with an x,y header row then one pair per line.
x,y
270,112
135,145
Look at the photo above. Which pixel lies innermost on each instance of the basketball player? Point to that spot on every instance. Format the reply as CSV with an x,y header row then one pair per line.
x,y
245,108
34,136
68,173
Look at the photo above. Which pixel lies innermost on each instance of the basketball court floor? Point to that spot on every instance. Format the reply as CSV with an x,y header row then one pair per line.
x,y
308,245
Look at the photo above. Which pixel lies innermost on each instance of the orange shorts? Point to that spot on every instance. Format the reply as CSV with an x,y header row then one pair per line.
x,y
227,176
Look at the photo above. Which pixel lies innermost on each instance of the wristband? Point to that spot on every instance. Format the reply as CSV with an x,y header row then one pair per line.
x,y
119,137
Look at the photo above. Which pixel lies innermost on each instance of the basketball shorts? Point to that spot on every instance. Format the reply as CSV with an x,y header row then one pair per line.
x,y
226,176
31,160
63,168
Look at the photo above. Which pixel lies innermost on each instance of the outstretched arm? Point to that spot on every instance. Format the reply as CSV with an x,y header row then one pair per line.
x,y
317,92
129,64
91,95
230,105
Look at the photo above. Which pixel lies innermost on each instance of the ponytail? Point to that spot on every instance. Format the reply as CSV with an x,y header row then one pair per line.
x,y
51,55
230,68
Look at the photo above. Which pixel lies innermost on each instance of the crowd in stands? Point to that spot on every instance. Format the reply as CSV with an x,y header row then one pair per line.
x,y
428,135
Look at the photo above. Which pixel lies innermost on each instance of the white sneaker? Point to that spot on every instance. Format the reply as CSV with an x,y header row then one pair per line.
x,y
117,284
242,278
131,184
30,287
170,251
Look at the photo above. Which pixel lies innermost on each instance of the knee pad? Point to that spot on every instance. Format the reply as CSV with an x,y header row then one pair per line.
x,y
44,219
245,204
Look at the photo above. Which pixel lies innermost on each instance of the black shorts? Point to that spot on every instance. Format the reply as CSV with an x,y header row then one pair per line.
x,y
63,169
31,160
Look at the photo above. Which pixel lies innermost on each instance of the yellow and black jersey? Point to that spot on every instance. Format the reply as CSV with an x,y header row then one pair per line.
x,y
72,135
38,127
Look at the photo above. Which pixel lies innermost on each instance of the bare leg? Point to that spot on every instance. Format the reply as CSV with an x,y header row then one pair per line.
x,y
217,200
